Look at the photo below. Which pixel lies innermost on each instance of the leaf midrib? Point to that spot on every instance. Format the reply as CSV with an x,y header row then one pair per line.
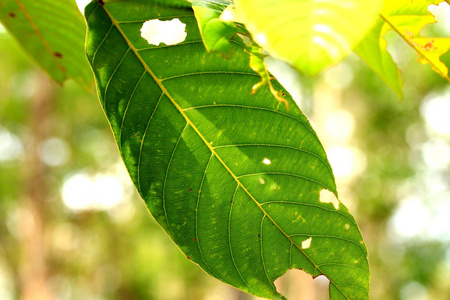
x,y
417,49
188,120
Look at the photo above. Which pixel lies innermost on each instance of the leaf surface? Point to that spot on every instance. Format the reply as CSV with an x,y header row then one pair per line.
x,y
309,34
235,179
53,33
373,51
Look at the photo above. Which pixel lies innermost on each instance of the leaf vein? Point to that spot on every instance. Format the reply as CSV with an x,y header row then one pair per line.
x,y
142,143
311,205
330,237
196,218
229,238
101,43
262,252
126,109
207,73
111,77
277,146
286,174
346,265
165,180
252,107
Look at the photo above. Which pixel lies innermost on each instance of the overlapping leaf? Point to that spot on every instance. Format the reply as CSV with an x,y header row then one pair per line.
x,y
406,18
53,33
309,34
216,34
235,179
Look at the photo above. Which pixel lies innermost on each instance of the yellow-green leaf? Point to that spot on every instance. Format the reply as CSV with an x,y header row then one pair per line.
x,y
53,33
407,18
310,34
373,51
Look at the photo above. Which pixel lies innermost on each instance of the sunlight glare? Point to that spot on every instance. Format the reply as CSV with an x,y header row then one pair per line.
x,y
435,110
81,192
442,14
10,145
82,5
436,154
410,219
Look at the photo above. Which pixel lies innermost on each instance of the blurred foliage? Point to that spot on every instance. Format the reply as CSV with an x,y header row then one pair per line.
x,y
120,253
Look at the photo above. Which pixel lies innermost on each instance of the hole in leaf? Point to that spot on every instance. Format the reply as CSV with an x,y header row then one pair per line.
x,y
261,39
168,32
297,284
328,197
306,243
267,161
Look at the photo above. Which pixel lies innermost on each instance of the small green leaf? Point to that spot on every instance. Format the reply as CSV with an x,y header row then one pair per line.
x,y
53,33
216,33
309,34
236,180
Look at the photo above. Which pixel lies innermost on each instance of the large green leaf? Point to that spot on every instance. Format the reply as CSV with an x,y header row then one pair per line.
x,y
309,34
53,33
235,179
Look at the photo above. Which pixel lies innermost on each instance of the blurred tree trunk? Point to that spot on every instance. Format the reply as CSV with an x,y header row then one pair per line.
x,y
33,270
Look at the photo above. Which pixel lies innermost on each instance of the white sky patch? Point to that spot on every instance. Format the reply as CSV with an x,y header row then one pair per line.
x,y
54,152
340,125
82,4
227,15
261,39
82,192
267,161
306,243
10,146
346,162
435,111
442,14
168,32
436,153
411,218
328,197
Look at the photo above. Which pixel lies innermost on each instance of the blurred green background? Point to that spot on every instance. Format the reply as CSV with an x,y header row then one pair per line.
x,y
73,227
